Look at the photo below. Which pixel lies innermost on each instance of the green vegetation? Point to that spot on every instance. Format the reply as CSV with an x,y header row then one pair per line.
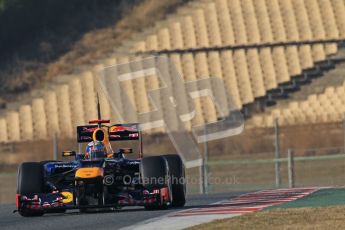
x,y
323,209
34,33
321,198
332,217
41,39
2,5
24,20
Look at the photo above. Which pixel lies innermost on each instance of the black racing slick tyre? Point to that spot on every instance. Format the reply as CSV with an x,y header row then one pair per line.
x,y
30,181
178,181
154,173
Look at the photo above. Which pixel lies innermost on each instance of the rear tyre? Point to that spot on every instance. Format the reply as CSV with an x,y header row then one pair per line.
x,y
155,173
178,182
29,182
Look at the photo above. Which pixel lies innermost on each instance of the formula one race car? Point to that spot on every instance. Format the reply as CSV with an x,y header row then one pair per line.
x,y
100,178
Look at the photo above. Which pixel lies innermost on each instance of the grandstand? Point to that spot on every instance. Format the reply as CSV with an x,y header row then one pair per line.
x,y
264,50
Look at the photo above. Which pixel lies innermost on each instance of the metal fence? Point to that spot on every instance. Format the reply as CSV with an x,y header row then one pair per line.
x,y
297,168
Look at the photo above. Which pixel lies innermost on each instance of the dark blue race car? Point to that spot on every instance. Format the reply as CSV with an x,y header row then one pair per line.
x,y
100,178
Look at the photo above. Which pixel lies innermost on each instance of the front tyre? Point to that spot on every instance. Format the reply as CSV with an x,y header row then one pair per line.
x,y
178,181
29,182
155,175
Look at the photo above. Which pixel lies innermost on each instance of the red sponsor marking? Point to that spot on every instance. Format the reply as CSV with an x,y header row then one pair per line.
x,y
99,121
122,128
17,200
165,194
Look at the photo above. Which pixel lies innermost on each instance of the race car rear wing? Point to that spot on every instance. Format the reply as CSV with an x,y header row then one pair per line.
x,y
116,132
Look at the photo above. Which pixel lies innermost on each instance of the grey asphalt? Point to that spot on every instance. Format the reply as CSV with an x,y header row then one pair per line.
x,y
105,220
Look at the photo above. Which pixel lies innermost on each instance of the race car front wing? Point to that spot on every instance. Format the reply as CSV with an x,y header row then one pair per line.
x,y
56,200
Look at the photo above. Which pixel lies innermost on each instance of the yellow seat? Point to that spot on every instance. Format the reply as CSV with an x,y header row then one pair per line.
x,y
339,13
242,75
263,21
276,21
225,26
39,119
293,61
163,39
238,24
305,56
51,107
26,123
202,38
189,33
328,19
64,110
268,69
255,73
250,21
289,20
3,131
302,21
13,126
315,20
176,35
77,109
230,79
212,24
280,65
188,68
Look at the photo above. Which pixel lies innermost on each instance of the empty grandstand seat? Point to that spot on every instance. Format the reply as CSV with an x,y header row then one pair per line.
x,y
230,80
212,24
39,118
339,12
328,106
3,131
77,108
255,73
163,39
242,75
293,61
250,21
276,20
13,126
224,20
289,20
302,21
188,68
64,110
268,69
280,64
238,24
26,123
263,21
328,19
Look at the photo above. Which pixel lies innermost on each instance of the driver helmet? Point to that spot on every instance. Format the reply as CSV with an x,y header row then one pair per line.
x,y
95,150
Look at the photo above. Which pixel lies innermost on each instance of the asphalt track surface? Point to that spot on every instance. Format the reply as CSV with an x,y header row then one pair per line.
x,y
102,220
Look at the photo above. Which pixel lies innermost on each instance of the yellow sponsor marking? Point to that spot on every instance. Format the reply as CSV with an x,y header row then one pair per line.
x,y
69,197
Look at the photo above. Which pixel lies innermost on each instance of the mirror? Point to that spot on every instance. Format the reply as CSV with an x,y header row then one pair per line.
x,y
68,153
126,150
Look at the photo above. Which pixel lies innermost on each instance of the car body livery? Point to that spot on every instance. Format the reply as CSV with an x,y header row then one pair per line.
x,y
109,183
